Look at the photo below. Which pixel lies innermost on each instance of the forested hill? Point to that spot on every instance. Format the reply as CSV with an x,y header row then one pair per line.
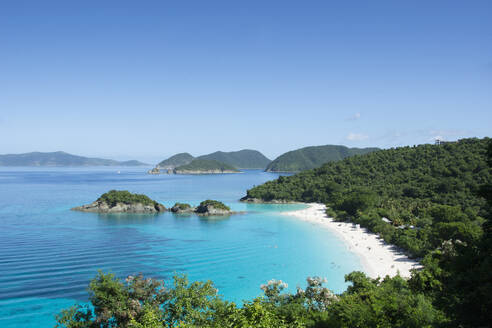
x,y
312,157
242,159
205,166
60,158
175,161
406,185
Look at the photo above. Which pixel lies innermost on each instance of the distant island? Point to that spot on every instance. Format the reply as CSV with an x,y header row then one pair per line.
x,y
203,166
230,162
242,159
60,159
312,157
174,161
122,201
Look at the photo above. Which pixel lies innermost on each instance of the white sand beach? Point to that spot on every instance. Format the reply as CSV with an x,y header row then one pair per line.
x,y
378,258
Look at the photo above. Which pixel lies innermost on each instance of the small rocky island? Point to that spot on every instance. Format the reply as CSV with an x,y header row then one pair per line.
x,y
182,208
122,201
207,207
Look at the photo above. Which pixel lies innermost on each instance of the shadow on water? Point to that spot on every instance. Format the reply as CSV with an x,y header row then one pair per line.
x,y
128,218
214,219
183,215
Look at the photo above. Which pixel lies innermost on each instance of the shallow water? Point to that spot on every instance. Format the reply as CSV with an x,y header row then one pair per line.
x,y
48,253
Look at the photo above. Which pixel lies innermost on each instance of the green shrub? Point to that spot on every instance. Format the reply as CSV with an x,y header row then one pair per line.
x,y
215,204
182,206
123,196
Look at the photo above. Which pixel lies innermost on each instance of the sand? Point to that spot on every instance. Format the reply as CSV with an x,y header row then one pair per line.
x,y
377,258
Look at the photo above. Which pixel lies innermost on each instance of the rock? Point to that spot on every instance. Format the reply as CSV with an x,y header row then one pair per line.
x,y
212,207
155,170
210,210
102,207
207,207
247,199
180,208
122,201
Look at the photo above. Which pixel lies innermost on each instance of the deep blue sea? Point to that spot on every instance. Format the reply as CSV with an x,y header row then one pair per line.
x,y
48,253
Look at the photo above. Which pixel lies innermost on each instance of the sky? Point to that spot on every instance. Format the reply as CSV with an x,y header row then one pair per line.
x,y
147,79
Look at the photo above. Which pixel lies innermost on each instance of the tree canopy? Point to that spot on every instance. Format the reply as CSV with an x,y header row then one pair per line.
x,y
113,197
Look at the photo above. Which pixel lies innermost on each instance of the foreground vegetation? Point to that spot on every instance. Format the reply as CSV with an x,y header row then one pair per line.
x,y
444,192
140,302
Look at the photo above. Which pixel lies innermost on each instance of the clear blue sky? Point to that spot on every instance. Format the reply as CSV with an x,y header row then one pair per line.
x,y
146,79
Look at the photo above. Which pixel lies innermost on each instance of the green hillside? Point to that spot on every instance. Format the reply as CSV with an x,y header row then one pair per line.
x,y
242,159
409,186
175,161
436,202
59,158
312,157
203,165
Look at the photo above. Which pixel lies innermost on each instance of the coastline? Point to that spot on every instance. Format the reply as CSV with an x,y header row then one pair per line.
x,y
377,258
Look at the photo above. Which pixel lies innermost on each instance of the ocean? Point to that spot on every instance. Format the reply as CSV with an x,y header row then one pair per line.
x,y
48,253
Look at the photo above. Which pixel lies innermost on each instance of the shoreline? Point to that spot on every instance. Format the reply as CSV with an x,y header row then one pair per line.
x,y
378,258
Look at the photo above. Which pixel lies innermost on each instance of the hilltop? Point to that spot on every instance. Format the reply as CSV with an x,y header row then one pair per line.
x,y
312,157
242,159
60,158
217,161
175,161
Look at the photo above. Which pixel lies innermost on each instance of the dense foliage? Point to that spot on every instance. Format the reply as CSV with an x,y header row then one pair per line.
x,y
114,197
243,159
182,206
312,157
205,165
176,160
139,303
427,191
213,203
436,201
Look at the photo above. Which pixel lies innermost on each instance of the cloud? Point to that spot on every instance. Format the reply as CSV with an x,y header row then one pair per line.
x,y
356,137
435,138
446,134
354,117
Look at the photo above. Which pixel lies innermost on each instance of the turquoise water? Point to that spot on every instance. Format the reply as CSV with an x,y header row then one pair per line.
x,y
49,253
